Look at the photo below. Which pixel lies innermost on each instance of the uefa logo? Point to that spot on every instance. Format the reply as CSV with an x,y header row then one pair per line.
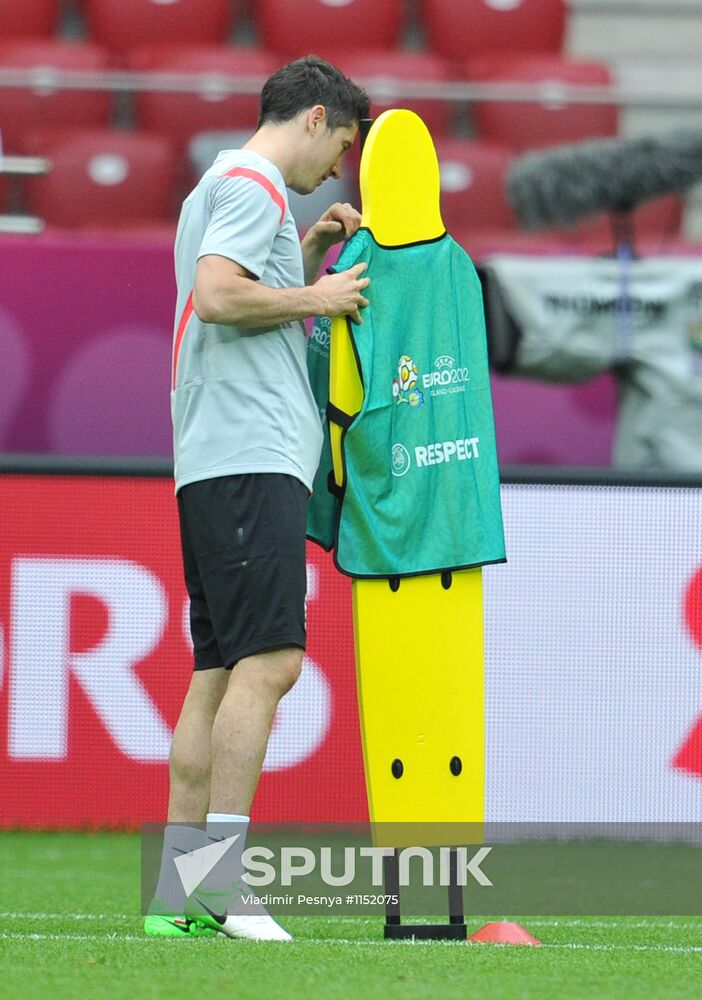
x,y
400,460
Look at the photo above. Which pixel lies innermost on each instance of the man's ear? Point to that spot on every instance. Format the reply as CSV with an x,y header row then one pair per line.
x,y
316,117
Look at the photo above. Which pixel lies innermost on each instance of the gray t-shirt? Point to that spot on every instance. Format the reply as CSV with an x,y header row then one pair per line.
x,y
241,399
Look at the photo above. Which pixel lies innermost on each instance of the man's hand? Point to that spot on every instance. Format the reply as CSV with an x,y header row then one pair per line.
x,y
340,294
338,223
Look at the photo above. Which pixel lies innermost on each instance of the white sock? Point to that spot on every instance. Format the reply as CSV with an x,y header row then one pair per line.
x,y
223,825
217,821
226,876
169,897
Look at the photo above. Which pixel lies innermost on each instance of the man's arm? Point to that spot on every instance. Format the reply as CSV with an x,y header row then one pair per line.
x,y
339,222
226,293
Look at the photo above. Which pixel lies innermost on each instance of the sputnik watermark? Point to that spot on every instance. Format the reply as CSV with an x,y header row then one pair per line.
x,y
302,862
341,868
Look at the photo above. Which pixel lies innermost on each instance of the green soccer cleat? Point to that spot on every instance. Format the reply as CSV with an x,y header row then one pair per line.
x,y
261,927
175,926
209,909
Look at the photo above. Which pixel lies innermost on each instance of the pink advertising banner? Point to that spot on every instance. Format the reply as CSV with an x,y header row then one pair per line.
x,y
85,346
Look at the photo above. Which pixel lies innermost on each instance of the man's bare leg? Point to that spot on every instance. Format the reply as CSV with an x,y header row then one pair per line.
x,y
190,768
240,735
190,759
243,724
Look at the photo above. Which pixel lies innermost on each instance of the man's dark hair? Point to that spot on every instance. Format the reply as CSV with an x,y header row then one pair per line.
x,y
309,81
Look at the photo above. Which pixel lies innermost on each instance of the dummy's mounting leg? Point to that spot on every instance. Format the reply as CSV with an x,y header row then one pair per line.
x,y
454,930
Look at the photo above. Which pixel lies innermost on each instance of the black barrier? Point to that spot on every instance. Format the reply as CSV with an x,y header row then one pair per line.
x,y
531,475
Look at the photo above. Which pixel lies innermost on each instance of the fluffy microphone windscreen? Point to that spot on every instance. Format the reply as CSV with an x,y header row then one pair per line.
x,y
561,185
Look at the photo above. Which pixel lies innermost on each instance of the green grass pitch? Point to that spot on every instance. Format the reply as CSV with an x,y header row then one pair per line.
x,y
70,927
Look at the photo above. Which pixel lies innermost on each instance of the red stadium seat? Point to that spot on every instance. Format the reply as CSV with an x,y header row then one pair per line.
x,y
385,73
531,126
458,29
181,115
472,185
656,231
28,18
45,104
661,217
481,243
102,178
297,28
652,246
121,25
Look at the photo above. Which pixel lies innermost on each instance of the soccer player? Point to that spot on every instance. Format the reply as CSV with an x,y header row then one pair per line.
x,y
247,440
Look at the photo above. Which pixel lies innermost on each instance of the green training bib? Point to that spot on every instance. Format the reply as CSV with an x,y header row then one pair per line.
x,y
421,487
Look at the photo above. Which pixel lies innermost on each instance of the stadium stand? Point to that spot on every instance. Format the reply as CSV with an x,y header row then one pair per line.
x,y
28,18
458,29
479,243
182,115
321,26
661,217
121,25
482,41
656,230
45,104
472,184
385,75
523,125
204,147
102,178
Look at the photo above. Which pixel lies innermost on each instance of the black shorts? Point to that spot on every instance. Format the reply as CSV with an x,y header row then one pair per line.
x,y
243,541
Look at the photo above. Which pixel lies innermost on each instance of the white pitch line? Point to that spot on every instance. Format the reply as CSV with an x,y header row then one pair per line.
x,y
683,949
660,923
68,916
19,936
559,922
111,938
